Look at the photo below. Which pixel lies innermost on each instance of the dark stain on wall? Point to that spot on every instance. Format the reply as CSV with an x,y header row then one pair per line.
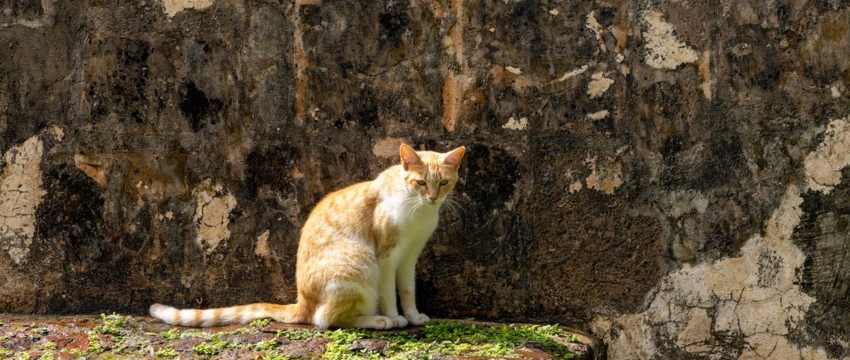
x,y
199,109
823,233
71,213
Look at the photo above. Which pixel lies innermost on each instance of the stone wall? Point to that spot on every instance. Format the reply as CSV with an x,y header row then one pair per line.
x,y
669,175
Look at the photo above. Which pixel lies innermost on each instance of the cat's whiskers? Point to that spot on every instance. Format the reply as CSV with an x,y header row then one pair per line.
x,y
410,205
453,205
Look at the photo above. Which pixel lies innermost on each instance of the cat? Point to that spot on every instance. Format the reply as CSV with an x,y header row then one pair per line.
x,y
358,245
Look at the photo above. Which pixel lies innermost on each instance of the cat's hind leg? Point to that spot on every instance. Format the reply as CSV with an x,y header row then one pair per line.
x,y
348,304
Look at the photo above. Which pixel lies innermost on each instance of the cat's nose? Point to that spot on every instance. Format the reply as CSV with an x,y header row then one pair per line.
x,y
433,198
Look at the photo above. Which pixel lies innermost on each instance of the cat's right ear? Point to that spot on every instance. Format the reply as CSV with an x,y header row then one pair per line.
x,y
409,156
454,157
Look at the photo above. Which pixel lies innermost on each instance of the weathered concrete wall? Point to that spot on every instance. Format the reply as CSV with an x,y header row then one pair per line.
x,y
669,175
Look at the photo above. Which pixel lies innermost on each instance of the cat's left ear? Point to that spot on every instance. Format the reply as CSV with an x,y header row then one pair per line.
x,y
409,156
454,157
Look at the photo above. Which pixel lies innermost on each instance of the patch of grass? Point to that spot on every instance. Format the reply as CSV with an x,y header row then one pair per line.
x,y
242,330
94,343
167,352
294,334
171,334
445,338
266,345
112,325
210,349
261,322
434,339
500,341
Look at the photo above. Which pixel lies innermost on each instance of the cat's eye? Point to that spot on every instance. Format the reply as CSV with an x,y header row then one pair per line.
x,y
444,183
420,182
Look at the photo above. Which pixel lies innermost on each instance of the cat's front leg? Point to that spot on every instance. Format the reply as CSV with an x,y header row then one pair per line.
x,y
386,291
407,292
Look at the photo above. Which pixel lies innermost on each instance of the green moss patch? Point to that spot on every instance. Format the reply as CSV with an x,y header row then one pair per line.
x,y
116,336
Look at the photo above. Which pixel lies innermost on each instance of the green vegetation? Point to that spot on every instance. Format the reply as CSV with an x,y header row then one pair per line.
x,y
166,352
266,345
115,336
94,343
171,334
205,348
500,341
445,338
297,334
112,325
261,322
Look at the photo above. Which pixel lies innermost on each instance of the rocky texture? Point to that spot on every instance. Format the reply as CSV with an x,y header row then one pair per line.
x,y
668,174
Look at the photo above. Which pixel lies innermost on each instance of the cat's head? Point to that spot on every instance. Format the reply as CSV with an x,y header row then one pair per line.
x,y
431,174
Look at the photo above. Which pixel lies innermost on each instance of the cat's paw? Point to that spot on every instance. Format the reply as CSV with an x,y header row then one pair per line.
x,y
399,322
374,322
417,319
384,323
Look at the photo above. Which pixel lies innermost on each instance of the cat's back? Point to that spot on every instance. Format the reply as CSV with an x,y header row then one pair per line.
x,y
345,205
355,202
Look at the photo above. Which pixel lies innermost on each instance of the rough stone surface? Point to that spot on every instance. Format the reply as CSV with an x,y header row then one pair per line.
x,y
671,175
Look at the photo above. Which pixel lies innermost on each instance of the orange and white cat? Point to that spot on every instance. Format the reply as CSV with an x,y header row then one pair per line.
x,y
357,247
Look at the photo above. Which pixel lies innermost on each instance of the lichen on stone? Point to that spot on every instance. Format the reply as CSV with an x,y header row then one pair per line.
x,y
20,194
598,85
664,49
172,7
823,166
212,215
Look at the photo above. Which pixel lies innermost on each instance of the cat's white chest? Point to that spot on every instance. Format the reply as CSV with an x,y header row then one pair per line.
x,y
414,225
419,225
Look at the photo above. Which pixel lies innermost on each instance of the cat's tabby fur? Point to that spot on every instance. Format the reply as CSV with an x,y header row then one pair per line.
x,y
357,247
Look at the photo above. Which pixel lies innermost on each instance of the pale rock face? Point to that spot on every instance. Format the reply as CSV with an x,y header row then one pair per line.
x,y
823,166
20,195
664,49
212,216
172,7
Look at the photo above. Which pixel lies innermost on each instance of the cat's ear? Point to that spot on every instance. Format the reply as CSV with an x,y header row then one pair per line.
x,y
454,157
409,156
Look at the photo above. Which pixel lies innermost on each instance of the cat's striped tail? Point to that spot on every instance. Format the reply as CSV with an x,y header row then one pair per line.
x,y
243,314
